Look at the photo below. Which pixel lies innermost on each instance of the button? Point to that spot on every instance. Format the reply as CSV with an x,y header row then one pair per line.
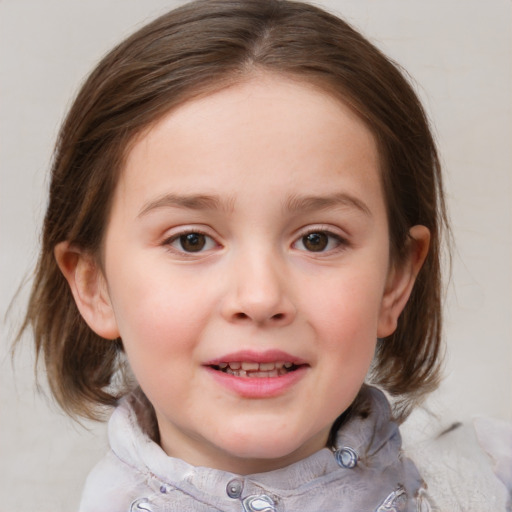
x,y
346,457
262,503
141,505
234,488
395,502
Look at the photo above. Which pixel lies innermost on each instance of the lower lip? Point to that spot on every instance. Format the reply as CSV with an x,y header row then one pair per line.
x,y
258,387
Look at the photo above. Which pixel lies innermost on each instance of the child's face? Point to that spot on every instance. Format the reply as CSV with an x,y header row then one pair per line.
x,y
249,229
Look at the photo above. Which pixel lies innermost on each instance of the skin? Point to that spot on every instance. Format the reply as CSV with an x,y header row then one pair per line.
x,y
253,169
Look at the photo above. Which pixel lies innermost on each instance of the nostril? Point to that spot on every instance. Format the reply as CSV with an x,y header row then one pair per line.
x,y
244,316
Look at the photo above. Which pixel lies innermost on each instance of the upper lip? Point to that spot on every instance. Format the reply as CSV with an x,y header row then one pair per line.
x,y
253,356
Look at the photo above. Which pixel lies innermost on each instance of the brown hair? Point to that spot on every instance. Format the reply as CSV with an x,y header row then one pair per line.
x,y
198,48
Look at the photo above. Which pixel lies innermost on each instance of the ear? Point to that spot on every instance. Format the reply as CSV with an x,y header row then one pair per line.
x,y
89,289
401,279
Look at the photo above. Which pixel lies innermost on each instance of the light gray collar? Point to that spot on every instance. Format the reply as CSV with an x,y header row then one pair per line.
x,y
366,471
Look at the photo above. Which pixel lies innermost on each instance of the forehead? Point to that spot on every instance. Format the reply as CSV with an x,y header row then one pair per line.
x,y
265,128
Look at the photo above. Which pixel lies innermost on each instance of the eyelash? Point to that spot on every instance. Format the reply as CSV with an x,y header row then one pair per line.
x,y
340,242
318,236
179,238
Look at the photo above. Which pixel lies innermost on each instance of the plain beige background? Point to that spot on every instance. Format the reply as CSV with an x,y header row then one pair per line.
x,y
459,54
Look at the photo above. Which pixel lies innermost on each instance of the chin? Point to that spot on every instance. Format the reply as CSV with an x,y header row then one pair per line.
x,y
266,450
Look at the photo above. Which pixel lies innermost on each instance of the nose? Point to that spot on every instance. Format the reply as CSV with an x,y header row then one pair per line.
x,y
259,292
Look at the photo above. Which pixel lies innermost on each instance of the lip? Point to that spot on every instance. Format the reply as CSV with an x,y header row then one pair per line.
x,y
267,356
258,387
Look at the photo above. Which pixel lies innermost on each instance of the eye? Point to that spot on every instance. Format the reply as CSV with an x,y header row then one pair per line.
x,y
191,242
318,241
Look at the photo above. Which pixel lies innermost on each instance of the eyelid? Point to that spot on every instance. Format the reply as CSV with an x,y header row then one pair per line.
x,y
178,232
322,228
331,231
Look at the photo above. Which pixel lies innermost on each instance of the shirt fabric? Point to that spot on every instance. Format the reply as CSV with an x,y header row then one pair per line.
x,y
366,472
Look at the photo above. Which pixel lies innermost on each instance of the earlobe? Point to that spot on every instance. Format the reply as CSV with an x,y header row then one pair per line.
x,y
401,279
89,289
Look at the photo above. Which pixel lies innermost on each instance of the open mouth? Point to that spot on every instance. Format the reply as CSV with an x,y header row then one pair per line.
x,y
251,369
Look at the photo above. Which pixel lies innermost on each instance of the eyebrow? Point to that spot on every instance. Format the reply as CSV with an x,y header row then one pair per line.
x,y
191,202
293,204
341,199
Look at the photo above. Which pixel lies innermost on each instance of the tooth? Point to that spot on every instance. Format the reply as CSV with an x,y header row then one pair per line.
x,y
248,366
222,366
258,374
287,365
235,365
265,367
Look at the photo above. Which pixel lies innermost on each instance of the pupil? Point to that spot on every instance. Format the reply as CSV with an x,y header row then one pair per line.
x,y
192,242
315,241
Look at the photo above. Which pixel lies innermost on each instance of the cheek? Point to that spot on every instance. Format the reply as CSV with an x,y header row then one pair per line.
x,y
160,333
347,306
157,313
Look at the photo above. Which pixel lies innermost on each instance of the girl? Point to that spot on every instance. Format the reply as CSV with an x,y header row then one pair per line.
x,y
243,228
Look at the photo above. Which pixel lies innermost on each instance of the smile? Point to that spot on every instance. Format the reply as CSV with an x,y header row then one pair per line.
x,y
258,374
251,369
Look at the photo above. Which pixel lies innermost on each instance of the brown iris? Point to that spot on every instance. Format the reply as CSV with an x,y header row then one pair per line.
x,y
315,242
192,242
